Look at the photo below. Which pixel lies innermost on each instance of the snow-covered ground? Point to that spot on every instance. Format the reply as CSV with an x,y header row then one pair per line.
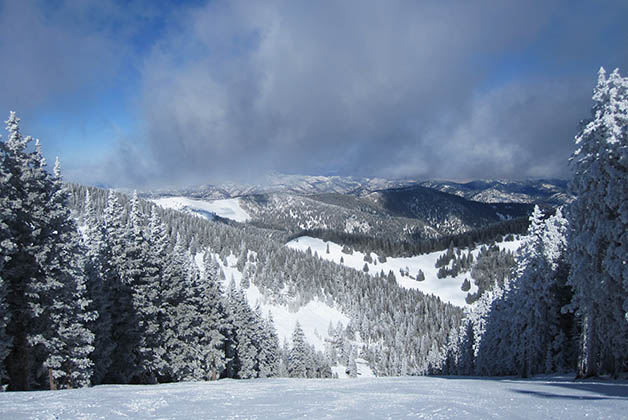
x,y
448,288
370,398
228,208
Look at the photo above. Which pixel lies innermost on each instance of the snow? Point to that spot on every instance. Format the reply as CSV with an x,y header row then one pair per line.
x,y
313,317
362,398
448,288
228,208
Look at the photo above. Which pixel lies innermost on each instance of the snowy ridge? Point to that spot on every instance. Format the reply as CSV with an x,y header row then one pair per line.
x,y
227,208
293,184
542,191
447,289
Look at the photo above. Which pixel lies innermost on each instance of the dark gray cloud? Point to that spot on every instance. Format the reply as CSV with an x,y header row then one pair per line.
x,y
347,87
232,90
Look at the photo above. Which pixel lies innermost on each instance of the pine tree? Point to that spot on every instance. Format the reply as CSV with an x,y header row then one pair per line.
x,y
117,284
142,273
212,308
7,247
46,298
184,329
298,359
68,343
269,365
93,263
244,325
598,242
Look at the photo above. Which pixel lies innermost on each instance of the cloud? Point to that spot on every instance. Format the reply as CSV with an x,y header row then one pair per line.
x,y
49,54
232,90
515,131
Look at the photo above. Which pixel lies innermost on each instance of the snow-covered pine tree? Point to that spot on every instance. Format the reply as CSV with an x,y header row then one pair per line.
x,y
125,332
183,330
299,358
93,265
216,327
6,249
20,268
206,302
534,322
269,364
598,241
231,342
46,297
142,273
244,326
352,368
66,340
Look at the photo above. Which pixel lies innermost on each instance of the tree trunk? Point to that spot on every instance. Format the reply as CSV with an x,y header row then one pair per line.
x,y
51,380
587,367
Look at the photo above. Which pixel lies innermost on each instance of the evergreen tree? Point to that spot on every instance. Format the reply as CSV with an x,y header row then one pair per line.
x,y
298,359
214,319
93,240
272,353
7,247
142,273
184,328
45,300
65,339
598,242
117,284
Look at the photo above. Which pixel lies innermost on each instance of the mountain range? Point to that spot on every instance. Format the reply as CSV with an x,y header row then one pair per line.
x,y
541,191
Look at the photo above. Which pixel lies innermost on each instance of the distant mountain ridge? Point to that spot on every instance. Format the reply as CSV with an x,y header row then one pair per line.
x,y
553,192
291,184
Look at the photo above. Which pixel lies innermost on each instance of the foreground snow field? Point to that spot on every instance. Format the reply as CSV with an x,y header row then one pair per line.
x,y
371,398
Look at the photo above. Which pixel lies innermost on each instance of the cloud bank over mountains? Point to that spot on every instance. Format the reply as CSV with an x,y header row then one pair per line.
x,y
232,90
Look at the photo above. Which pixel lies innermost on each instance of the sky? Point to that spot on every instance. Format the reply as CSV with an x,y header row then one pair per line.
x,y
151,94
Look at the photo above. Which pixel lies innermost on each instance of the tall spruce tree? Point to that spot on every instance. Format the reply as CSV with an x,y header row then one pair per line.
x,y
142,273
125,329
184,320
68,343
7,246
46,297
94,243
598,242
299,357
244,323
214,318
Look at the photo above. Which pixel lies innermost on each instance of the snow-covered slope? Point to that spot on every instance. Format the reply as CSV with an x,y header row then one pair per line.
x,y
228,208
314,317
370,398
448,288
